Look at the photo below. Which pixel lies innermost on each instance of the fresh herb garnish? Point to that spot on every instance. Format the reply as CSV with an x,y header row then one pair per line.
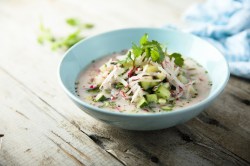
x,y
144,39
45,35
118,86
77,23
178,60
153,50
94,90
137,50
65,42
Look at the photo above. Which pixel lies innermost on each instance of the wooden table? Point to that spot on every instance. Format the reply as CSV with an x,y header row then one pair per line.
x,y
41,126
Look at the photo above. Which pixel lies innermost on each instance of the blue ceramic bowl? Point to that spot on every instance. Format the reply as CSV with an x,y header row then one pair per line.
x,y
80,56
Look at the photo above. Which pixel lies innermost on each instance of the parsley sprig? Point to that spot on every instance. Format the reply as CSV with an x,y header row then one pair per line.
x,y
46,36
153,49
178,60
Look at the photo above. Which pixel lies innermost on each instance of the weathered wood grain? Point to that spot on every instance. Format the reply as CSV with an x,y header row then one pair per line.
x,y
34,132
43,127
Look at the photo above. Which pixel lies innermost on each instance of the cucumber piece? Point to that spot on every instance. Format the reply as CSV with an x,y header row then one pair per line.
x,y
142,103
151,69
100,97
163,92
183,79
167,108
145,85
153,84
162,101
160,76
151,98
166,85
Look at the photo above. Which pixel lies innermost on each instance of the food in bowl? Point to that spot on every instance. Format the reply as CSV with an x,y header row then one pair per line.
x,y
143,79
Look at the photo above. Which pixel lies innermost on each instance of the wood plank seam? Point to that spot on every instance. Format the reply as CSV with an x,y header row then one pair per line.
x,y
73,124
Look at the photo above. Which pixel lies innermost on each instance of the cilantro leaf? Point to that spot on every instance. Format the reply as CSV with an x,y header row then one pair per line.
x,y
178,60
65,42
144,39
77,23
148,50
161,54
72,39
72,21
45,35
154,46
89,26
155,54
137,51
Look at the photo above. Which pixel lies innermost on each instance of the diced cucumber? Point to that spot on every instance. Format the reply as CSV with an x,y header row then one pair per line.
x,y
161,76
151,69
142,103
162,101
167,108
166,85
163,92
148,84
153,84
183,79
145,85
100,97
151,98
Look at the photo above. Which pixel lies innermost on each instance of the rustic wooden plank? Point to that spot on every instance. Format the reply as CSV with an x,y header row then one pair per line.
x,y
34,132
227,121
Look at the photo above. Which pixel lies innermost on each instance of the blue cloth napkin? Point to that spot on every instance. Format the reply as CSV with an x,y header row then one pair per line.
x,y
226,24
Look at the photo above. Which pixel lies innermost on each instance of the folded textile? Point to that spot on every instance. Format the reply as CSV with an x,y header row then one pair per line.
x,y
226,24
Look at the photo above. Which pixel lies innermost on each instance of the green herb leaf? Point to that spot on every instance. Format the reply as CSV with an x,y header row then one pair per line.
x,y
66,41
94,90
144,39
161,53
137,51
118,85
72,39
73,21
45,35
155,50
154,54
148,52
178,60
89,26
129,58
77,23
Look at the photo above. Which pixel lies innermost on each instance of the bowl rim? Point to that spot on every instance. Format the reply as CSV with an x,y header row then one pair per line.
x,y
208,99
